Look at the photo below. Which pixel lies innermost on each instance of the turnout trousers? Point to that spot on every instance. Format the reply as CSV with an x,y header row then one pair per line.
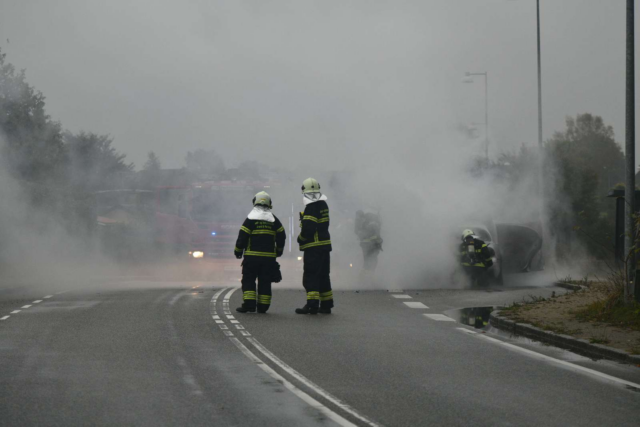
x,y
316,280
261,269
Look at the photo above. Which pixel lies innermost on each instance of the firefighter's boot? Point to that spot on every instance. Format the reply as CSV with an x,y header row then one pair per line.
x,y
246,308
307,310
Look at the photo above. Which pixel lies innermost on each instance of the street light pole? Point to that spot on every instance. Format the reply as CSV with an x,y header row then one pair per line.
x,y
468,79
539,79
630,157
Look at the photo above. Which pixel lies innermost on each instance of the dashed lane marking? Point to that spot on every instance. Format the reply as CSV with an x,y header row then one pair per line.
x,y
439,317
38,301
220,321
401,296
4,317
26,306
415,305
546,358
292,388
48,296
16,311
304,380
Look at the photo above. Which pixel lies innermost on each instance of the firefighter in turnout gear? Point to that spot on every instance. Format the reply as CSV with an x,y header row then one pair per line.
x,y
367,228
475,257
262,238
315,242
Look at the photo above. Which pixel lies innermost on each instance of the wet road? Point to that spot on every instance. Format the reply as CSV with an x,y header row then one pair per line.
x,y
150,353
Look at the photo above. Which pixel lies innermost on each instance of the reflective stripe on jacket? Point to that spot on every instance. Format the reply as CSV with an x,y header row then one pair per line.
x,y
259,238
314,234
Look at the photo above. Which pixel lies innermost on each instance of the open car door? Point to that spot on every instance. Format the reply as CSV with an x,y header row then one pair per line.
x,y
520,246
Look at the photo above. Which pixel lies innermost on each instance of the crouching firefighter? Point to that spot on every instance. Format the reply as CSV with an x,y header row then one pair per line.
x,y
475,257
262,239
315,242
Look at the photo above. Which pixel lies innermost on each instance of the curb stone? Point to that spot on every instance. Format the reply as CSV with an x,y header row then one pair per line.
x,y
569,286
576,345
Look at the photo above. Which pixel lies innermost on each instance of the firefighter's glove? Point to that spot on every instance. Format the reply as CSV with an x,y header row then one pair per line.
x,y
238,254
279,252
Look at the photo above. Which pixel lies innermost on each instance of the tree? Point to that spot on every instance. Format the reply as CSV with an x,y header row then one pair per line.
x,y
206,164
153,163
586,162
33,147
91,162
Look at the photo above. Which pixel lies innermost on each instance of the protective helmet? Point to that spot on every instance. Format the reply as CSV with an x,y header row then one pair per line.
x,y
262,199
466,233
310,185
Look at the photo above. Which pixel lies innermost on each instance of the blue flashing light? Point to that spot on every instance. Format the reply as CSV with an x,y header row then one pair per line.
x,y
213,233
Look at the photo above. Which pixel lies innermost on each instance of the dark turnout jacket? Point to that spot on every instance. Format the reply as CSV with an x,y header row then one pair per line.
x,y
314,235
260,238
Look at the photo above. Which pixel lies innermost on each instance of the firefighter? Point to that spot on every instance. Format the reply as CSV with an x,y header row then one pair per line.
x,y
475,257
315,242
367,228
262,239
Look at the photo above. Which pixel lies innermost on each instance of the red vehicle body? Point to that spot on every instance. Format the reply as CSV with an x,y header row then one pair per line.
x,y
203,219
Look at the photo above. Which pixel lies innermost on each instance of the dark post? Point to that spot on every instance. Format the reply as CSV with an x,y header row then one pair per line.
x,y
630,154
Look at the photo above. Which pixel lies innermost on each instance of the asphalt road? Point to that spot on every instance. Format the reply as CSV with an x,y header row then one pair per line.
x,y
160,353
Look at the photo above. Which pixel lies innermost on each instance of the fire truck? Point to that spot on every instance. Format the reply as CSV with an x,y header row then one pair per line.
x,y
202,220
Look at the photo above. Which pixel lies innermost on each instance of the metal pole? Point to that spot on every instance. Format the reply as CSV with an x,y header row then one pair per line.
x,y
539,80
486,116
630,155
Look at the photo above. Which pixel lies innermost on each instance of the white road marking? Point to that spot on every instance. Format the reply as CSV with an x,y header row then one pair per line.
x,y
216,317
228,295
304,380
415,305
16,311
230,317
223,326
228,333
48,296
38,301
4,317
396,290
219,321
239,327
546,358
234,321
295,390
439,317
401,296
26,306
245,333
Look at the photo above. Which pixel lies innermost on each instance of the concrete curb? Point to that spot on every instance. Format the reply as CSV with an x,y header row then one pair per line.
x,y
569,286
583,347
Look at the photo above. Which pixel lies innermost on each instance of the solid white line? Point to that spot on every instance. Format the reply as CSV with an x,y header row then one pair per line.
x,y
16,311
401,296
562,363
4,317
37,301
439,317
304,380
48,296
25,306
415,305
295,390
228,295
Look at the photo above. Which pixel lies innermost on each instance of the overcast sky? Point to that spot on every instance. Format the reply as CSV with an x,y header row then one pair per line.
x,y
279,81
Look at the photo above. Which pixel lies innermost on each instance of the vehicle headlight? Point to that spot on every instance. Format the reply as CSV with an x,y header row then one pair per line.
x,y
197,254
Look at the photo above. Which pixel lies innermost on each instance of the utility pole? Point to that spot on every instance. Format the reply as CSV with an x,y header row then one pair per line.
x,y
630,157
469,79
